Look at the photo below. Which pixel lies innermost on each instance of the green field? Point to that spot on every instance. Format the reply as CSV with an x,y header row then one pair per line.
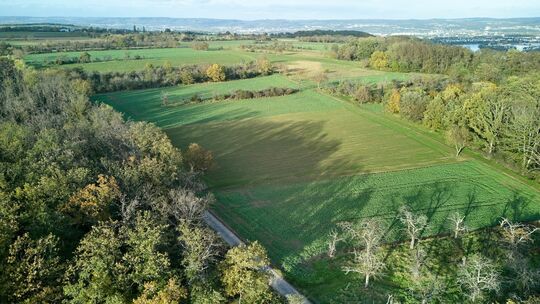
x,y
115,62
303,63
41,35
289,168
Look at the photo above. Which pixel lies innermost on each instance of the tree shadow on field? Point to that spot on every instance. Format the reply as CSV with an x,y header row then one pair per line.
x,y
516,207
286,170
263,150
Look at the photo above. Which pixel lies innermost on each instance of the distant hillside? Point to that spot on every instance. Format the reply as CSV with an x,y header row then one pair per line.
x,y
330,33
423,28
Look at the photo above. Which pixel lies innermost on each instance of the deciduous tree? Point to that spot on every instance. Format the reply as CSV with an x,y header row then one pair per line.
x,y
244,274
198,158
477,276
414,224
457,224
216,73
366,237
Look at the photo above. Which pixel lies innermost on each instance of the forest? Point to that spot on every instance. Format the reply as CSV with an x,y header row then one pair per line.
x,y
98,209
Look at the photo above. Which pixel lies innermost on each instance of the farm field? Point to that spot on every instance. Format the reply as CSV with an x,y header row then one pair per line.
x,y
305,63
290,168
41,35
115,62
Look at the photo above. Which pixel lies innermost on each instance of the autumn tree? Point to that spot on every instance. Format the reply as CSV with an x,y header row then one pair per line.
x,y
184,205
413,104
264,66
394,101
33,268
93,203
320,78
84,57
363,94
216,73
379,60
434,116
186,78
486,114
198,159
200,46
171,293
244,275
201,247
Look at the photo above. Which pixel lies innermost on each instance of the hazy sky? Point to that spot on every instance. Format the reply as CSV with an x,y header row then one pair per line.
x,y
276,9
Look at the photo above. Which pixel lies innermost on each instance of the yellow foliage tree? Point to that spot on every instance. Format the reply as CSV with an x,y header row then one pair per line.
x,y
451,92
242,275
198,159
264,66
91,203
216,73
379,60
394,102
172,293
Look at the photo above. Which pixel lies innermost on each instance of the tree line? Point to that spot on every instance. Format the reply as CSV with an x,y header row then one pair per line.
x,y
488,101
167,75
97,209
233,95
407,54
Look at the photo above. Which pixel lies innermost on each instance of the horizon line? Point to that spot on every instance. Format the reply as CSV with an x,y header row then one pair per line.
x,y
272,19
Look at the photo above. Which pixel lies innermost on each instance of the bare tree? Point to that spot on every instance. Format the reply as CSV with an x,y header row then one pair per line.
x,y
366,263
128,209
417,262
414,224
457,224
478,275
428,289
368,235
183,204
525,276
334,238
516,233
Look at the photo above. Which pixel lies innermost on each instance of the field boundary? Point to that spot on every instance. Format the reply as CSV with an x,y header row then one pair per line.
x,y
277,282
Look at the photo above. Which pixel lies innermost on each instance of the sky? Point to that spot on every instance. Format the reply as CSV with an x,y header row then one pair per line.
x,y
274,9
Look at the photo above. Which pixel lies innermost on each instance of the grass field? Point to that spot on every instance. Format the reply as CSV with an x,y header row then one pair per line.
x,y
41,35
289,168
175,56
302,63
